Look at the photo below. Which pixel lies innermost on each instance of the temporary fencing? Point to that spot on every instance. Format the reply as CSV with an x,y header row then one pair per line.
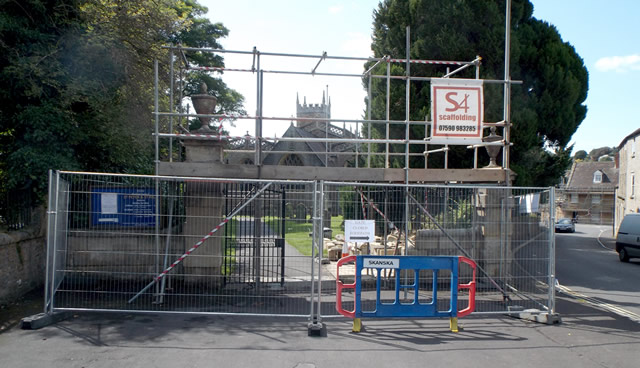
x,y
506,231
167,244
221,246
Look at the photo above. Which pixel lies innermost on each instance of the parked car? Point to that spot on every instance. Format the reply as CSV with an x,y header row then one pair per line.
x,y
565,225
628,238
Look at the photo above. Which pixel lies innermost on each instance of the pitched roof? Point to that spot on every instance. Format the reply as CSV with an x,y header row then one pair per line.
x,y
635,133
582,175
314,147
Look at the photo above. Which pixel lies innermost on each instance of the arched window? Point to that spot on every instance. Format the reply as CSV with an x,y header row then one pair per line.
x,y
291,160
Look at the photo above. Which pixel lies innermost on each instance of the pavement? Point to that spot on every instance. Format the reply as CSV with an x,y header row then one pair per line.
x,y
587,337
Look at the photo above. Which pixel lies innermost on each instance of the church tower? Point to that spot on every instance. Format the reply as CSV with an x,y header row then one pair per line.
x,y
313,111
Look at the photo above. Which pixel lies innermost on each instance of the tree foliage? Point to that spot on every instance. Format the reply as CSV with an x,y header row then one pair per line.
x,y
76,82
580,155
596,153
546,108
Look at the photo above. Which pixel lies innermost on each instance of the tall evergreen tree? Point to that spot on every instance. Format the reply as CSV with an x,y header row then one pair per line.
x,y
546,109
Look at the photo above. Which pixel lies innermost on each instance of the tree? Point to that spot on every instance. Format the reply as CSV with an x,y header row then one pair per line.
x,y
546,109
596,153
203,34
181,22
76,83
38,114
580,155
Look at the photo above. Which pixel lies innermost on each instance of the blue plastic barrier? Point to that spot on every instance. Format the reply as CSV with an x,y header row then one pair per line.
x,y
416,308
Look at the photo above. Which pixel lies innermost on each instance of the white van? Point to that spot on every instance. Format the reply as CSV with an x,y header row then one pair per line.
x,y
628,239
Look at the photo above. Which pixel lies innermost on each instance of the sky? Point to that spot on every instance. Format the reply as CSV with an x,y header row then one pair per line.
x,y
604,33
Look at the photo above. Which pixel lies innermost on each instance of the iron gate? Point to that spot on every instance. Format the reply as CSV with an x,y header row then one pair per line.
x,y
254,248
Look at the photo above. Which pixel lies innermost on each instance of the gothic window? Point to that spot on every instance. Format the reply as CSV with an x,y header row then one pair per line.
x,y
291,160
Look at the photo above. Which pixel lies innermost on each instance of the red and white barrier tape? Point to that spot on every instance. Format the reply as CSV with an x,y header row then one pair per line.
x,y
198,244
435,62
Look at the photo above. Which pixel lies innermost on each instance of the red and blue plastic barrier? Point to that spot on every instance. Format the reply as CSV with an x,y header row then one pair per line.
x,y
404,265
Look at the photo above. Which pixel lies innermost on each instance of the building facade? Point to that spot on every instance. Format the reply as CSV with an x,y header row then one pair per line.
x,y
627,200
589,193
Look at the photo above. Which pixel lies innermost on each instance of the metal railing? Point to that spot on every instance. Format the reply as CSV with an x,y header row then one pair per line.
x,y
15,209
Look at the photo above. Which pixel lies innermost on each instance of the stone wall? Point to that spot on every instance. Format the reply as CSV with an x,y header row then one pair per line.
x,y
22,259
116,256
435,243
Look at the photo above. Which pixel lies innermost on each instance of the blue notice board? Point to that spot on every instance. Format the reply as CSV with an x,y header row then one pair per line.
x,y
123,207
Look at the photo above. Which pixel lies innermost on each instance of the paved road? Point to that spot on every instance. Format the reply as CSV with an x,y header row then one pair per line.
x,y
586,262
588,337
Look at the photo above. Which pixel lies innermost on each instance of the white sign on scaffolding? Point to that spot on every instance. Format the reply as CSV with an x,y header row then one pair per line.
x,y
457,110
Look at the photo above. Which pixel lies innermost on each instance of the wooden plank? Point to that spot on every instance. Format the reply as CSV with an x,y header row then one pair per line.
x,y
273,172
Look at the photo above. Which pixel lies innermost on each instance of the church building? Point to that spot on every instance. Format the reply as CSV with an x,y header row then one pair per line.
x,y
302,153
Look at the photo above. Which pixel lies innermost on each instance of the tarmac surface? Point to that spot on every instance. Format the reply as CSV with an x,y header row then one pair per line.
x,y
587,337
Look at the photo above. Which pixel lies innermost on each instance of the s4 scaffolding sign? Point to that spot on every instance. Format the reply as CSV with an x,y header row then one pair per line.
x,y
456,111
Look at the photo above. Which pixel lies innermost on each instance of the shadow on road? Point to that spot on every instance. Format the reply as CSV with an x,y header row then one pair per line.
x,y
577,314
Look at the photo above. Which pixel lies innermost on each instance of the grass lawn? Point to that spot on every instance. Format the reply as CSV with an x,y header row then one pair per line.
x,y
297,233
229,263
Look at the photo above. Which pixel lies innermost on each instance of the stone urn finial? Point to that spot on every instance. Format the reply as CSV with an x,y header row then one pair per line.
x,y
204,104
492,150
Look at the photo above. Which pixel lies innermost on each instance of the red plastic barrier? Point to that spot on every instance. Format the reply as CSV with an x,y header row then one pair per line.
x,y
340,285
471,286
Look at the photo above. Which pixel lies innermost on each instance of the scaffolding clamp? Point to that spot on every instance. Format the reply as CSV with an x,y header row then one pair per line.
x,y
324,55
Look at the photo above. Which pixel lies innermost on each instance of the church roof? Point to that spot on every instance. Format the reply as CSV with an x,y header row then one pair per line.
x,y
318,148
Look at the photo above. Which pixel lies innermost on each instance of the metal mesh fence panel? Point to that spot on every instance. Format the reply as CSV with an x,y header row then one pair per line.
x,y
508,232
57,230
152,243
149,243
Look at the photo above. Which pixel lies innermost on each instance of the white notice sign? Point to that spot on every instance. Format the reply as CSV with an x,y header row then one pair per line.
x,y
109,202
359,231
456,111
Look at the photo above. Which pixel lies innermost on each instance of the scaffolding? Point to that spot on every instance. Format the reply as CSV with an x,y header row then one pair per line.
x,y
396,167
588,205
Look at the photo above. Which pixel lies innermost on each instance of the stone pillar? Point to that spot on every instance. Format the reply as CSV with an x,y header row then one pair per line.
x,y
200,150
204,207
490,208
